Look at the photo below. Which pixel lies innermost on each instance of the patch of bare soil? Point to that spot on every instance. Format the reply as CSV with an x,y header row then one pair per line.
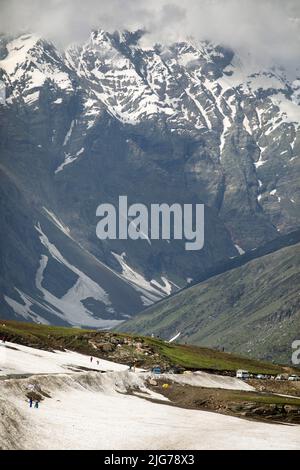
x,y
37,394
249,405
12,426
285,387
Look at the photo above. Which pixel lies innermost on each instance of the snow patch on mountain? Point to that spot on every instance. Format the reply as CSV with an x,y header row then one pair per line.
x,y
239,249
151,291
69,133
290,111
59,224
28,65
70,306
167,286
68,159
24,309
17,54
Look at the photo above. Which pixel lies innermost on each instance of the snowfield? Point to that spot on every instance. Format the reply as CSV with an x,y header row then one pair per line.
x,y
93,410
16,359
203,379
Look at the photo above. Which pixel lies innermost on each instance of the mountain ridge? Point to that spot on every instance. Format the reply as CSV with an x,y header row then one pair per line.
x,y
252,309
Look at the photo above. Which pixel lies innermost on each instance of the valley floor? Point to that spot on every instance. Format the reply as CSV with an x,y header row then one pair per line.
x,y
93,410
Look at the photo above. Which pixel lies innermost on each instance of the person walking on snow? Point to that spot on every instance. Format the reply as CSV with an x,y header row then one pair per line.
x,y
36,404
30,402
91,359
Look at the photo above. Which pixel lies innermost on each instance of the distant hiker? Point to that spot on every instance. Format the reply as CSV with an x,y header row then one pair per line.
x,y
30,402
91,359
36,404
98,363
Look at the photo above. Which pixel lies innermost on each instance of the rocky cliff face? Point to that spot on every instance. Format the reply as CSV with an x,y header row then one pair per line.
x,y
185,123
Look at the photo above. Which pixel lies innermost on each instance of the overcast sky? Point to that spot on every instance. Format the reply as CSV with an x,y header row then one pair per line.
x,y
269,29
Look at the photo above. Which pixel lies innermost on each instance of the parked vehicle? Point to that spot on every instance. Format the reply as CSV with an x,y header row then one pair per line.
x,y
260,376
281,377
242,374
294,378
176,370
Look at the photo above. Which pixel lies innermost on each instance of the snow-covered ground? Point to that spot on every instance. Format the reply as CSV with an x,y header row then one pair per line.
x,y
203,379
16,359
90,410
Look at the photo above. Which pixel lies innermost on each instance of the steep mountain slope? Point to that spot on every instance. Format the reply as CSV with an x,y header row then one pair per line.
x,y
71,288
253,309
186,123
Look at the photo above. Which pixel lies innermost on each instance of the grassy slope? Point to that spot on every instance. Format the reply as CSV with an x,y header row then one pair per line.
x,y
253,310
50,337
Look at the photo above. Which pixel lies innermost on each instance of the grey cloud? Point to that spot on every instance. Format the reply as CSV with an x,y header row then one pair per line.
x,y
268,29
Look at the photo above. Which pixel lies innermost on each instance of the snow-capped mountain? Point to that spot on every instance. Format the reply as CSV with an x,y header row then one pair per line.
x,y
190,122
